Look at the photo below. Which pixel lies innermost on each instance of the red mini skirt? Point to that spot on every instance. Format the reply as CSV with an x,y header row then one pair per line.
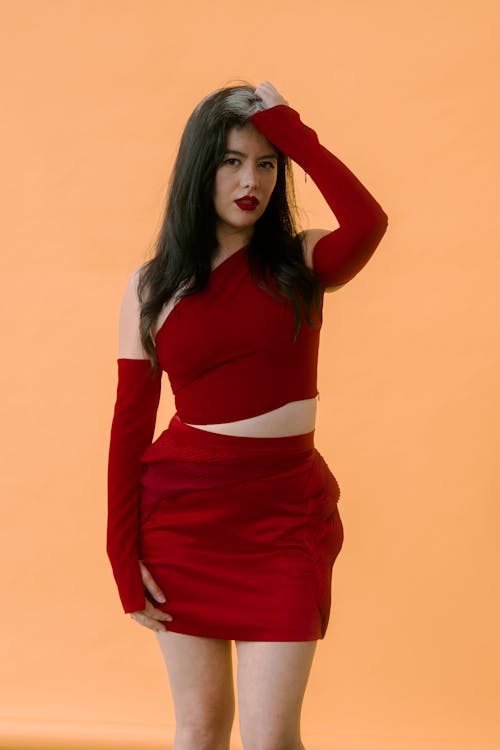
x,y
241,533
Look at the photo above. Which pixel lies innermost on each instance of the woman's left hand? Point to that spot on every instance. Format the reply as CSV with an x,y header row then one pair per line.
x,y
269,95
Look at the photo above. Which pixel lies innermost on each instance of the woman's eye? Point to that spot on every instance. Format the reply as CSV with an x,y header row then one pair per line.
x,y
231,161
267,164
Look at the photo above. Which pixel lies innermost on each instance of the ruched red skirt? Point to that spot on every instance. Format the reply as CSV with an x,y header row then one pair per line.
x,y
241,533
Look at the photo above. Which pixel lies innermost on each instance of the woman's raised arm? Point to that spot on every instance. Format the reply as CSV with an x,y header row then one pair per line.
x,y
338,255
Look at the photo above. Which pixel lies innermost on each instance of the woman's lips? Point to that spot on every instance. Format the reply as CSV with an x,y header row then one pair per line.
x,y
247,204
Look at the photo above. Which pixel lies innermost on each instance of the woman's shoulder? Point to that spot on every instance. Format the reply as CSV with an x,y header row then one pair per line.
x,y
134,278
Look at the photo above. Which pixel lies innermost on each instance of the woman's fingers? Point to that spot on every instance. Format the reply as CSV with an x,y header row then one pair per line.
x,y
151,617
269,94
149,622
151,584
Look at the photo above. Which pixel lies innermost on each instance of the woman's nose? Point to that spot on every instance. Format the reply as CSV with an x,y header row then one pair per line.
x,y
249,177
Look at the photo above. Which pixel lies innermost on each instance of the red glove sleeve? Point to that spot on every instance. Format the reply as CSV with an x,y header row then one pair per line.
x,y
132,429
338,256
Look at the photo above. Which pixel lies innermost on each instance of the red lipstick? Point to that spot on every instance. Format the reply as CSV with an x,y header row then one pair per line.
x,y
247,203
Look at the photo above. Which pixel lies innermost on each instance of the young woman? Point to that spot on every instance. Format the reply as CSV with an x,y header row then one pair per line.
x,y
227,526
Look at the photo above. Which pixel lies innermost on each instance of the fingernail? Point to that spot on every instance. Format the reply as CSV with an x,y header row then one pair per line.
x,y
161,599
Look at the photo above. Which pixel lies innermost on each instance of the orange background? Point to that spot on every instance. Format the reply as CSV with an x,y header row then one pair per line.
x,y
95,97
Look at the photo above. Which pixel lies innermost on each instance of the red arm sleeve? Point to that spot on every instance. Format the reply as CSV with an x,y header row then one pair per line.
x,y
132,429
338,256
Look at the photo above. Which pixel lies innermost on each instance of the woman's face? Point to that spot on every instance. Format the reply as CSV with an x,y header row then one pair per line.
x,y
249,168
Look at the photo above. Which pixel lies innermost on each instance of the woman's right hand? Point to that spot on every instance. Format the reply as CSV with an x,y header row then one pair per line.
x,y
269,95
150,616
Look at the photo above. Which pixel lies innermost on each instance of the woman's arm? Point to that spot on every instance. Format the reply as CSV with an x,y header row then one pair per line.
x,y
137,399
339,255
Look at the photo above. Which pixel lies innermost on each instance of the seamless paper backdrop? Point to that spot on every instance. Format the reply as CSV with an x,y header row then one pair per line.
x,y
95,97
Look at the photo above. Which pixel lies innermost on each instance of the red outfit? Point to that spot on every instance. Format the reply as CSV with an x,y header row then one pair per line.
x,y
241,533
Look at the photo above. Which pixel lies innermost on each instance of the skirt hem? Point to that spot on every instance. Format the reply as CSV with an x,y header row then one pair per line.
x,y
241,633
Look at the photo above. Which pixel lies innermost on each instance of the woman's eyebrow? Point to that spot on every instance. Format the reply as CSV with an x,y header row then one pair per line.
x,y
240,153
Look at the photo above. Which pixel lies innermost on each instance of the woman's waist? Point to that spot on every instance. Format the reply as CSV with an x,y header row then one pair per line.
x,y
293,418
182,442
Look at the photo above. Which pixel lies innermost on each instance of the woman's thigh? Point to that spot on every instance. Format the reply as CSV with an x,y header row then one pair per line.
x,y
201,679
272,678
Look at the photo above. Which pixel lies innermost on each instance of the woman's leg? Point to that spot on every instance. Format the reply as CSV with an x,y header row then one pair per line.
x,y
272,678
201,680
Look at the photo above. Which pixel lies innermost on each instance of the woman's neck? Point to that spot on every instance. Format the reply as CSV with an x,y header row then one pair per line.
x,y
229,243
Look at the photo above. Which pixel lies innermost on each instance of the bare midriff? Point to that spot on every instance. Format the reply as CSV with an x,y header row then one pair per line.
x,y
294,418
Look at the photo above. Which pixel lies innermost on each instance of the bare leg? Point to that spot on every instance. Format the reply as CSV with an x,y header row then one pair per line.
x,y
201,680
272,678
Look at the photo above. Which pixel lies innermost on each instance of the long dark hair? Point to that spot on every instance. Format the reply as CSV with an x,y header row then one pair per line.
x,y
187,239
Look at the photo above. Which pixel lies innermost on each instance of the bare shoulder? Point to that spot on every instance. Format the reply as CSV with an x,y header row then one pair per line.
x,y
130,301
129,340
309,239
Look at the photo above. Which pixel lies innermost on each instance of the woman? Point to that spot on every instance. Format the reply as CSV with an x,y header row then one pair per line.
x,y
227,526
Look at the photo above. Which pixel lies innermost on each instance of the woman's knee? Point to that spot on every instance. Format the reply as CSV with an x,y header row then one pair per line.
x,y
273,743
283,734
205,737
272,731
205,723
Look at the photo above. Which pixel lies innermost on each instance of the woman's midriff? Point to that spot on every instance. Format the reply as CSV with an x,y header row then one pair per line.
x,y
294,418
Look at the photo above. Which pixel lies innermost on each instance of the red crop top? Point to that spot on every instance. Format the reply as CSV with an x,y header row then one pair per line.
x,y
228,350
